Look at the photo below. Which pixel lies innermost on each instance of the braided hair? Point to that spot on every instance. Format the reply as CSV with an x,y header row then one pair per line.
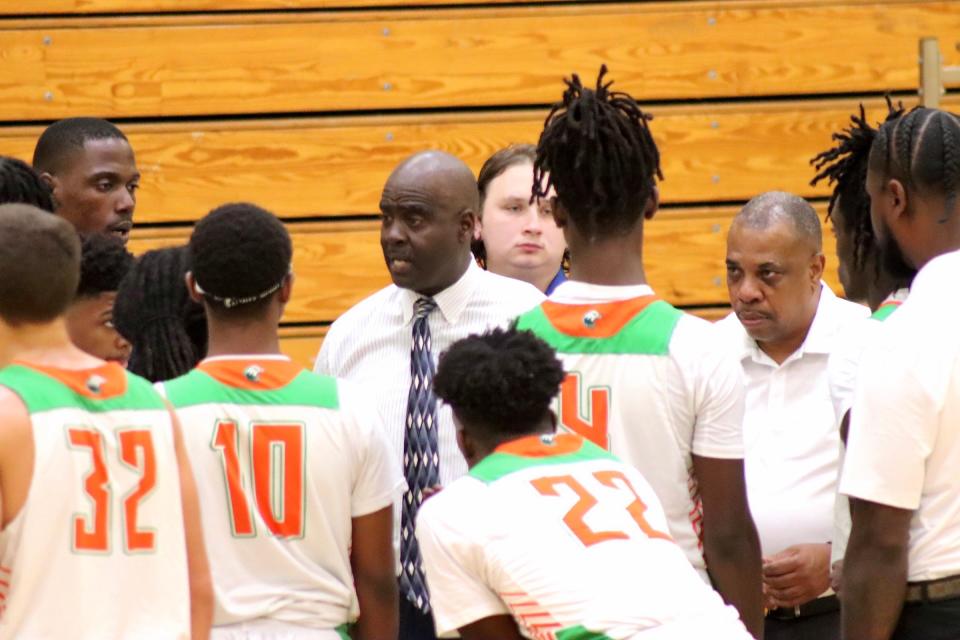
x,y
154,312
845,167
922,150
19,183
597,151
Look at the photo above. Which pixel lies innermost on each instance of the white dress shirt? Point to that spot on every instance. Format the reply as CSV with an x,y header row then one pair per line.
x,y
789,431
904,445
370,346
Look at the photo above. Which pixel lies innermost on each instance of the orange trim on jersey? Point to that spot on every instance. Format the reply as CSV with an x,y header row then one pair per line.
x,y
113,381
534,447
273,374
568,318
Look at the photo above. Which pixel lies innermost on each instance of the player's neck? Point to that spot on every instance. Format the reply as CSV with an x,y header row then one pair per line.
x,y
253,337
45,344
615,261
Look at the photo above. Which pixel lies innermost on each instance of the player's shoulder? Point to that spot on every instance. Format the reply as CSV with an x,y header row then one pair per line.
x,y
696,338
461,501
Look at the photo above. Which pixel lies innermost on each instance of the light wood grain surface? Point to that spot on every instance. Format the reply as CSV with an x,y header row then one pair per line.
x,y
310,62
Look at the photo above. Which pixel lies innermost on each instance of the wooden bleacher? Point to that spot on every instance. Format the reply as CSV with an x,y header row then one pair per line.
x,y
304,106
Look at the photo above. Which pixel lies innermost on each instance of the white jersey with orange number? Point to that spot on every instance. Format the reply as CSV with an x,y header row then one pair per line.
x,y
98,550
571,542
649,383
284,459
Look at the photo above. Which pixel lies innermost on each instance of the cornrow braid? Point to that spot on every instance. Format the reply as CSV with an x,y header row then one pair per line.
x,y
922,150
597,151
845,167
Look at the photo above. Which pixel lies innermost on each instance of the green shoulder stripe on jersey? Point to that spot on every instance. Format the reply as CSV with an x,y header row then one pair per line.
x,y
343,631
580,633
648,333
884,312
498,465
40,393
306,390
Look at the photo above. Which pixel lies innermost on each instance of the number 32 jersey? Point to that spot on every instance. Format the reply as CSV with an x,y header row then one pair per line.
x,y
98,550
283,460
569,541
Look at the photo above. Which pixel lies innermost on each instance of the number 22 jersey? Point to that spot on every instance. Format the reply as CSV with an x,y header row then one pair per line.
x,y
569,541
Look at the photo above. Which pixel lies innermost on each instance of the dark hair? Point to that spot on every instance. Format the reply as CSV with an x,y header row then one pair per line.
x,y
64,137
502,381
19,183
103,264
240,255
39,264
845,167
922,150
155,313
599,153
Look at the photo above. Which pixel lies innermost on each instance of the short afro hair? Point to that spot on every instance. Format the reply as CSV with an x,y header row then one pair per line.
x,y
104,263
39,265
64,137
240,254
501,382
19,183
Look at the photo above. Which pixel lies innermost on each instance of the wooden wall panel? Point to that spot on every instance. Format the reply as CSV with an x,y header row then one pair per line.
x,y
334,166
339,264
302,343
309,62
81,7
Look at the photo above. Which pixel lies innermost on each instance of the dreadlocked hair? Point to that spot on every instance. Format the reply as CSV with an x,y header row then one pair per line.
x,y
845,167
597,151
154,312
922,150
19,183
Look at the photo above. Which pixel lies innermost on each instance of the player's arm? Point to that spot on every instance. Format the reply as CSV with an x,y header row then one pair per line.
x,y
502,627
731,545
201,585
875,570
372,559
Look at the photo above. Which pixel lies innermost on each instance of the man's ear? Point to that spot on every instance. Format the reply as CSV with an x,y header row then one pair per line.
x,y
559,213
896,194
286,289
469,225
817,264
192,289
652,204
54,184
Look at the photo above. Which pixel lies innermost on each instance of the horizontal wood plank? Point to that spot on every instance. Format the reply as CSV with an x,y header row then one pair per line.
x,y
81,7
309,62
301,344
339,264
337,166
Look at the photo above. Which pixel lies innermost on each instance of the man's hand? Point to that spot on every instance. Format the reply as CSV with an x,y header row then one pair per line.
x,y
796,575
836,576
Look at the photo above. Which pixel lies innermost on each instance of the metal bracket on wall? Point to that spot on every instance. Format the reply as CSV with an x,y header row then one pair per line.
x,y
933,75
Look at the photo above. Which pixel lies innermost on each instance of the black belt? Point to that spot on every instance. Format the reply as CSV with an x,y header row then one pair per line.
x,y
934,590
826,604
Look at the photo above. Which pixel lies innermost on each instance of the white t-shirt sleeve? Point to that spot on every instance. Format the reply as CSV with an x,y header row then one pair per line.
x,y
893,428
718,391
453,555
378,482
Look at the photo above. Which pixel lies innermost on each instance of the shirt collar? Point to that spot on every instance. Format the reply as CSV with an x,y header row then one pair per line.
x,y
558,279
452,301
578,292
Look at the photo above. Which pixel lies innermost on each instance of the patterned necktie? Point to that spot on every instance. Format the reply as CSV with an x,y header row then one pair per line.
x,y
421,459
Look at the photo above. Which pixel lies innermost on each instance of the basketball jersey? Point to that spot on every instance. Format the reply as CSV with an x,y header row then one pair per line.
x,y
569,541
98,549
645,381
283,460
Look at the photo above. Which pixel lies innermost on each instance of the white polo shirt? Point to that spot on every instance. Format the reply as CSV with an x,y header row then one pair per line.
x,y
842,372
789,431
904,446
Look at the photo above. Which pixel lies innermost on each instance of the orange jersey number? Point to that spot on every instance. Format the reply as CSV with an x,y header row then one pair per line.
x,y
574,519
136,451
592,423
277,466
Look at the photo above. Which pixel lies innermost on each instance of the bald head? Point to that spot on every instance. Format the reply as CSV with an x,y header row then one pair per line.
x,y
430,205
39,265
773,207
442,175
